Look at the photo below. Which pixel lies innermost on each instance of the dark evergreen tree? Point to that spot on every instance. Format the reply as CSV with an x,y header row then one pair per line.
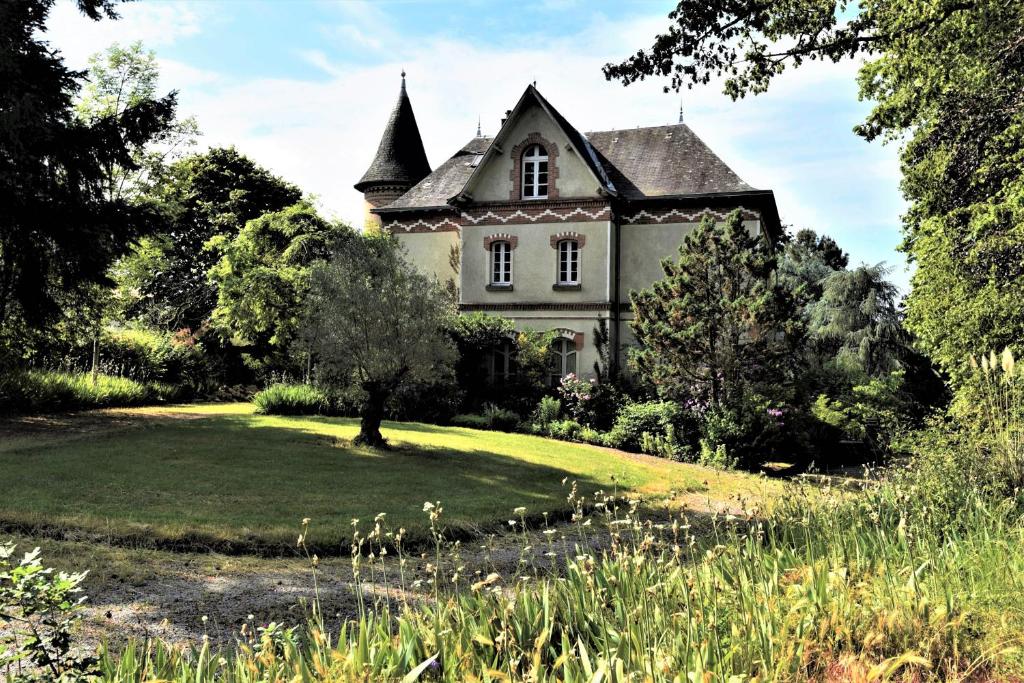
x,y
59,229
719,324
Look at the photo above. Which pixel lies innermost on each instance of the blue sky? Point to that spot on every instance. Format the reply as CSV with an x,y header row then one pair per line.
x,y
304,87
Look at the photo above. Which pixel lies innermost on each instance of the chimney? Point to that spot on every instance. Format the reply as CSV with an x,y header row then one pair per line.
x,y
508,113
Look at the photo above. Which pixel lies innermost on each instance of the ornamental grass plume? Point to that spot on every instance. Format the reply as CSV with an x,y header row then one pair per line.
x,y
1001,422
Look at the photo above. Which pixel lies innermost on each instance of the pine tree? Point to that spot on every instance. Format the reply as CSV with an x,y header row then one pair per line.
x,y
718,324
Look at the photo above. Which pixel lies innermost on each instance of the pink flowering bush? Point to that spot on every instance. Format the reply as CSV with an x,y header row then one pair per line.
x,y
576,393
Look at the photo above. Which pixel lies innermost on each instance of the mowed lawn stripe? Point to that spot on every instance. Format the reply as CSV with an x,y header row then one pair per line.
x,y
238,481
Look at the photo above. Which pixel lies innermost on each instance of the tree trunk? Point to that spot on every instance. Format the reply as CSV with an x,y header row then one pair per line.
x,y
95,358
371,415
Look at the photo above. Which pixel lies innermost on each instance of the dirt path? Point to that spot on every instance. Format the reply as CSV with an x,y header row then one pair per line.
x,y
231,592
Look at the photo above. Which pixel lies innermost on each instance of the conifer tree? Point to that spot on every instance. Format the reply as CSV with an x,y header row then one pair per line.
x,y
718,324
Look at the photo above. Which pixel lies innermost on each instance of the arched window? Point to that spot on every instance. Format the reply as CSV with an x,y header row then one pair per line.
x,y
563,360
568,262
502,367
501,263
535,173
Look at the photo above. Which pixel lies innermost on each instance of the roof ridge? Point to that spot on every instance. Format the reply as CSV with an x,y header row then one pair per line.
x,y
622,130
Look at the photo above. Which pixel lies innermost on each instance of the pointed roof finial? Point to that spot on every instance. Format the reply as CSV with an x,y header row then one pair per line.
x,y
400,158
478,133
680,110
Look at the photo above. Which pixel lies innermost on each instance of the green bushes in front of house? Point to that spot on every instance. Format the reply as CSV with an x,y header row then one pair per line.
x,y
38,391
292,399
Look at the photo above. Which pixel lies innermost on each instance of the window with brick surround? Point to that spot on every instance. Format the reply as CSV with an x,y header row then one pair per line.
x,y
535,173
568,262
563,360
501,263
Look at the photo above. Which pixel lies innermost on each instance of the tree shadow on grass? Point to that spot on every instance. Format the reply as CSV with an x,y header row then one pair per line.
x,y
238,486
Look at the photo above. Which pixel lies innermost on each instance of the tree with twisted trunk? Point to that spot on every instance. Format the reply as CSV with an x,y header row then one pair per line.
x,y
375,322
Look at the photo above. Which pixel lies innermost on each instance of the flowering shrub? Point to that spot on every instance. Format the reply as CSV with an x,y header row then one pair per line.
x,y
592,403
575,393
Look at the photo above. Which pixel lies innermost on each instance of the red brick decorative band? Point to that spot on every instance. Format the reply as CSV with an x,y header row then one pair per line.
x,y
512,240
579,239
520,213
667,215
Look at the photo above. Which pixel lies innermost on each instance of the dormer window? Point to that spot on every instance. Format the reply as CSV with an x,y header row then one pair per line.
x,y
535,173
501,263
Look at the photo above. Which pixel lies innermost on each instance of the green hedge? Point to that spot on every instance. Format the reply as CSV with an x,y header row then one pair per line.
x,y
493,417
636,419
153,356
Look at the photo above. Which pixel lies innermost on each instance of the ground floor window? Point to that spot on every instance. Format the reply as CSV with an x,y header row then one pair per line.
x,y
501,368
563,360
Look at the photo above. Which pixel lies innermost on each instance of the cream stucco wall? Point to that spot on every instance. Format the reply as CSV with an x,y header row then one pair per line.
x,y
429,252
645,245
534,263
575,178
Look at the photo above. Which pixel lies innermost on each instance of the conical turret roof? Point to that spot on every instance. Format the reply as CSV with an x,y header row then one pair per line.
x,y
400,159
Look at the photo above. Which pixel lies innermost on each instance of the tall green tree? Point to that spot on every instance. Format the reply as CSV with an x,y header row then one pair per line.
x,y
201,197
719,324
118,79
856,323
947,79
262,279
378,323
807,260
59,229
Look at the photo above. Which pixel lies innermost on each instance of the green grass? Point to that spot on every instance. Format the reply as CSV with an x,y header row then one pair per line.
x,y
239,482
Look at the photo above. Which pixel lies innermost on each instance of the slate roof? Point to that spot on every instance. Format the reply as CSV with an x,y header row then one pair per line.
x,y
633,164
447,180
400,157
640,163
662,161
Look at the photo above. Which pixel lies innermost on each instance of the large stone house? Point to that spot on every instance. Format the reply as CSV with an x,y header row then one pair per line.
x,y
549,226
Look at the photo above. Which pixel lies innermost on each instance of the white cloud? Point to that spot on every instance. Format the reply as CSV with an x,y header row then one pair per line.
x,y
155,24
322,133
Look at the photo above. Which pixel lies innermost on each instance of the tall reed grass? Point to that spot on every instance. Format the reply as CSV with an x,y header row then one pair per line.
x,y
829,586
29,391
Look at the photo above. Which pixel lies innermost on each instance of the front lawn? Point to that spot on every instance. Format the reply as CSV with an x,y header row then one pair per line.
x,y
219,476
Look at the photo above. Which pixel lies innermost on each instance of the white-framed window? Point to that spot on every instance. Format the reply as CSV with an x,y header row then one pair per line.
x,y
535,173
501,263
502,367
568,262
563,360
